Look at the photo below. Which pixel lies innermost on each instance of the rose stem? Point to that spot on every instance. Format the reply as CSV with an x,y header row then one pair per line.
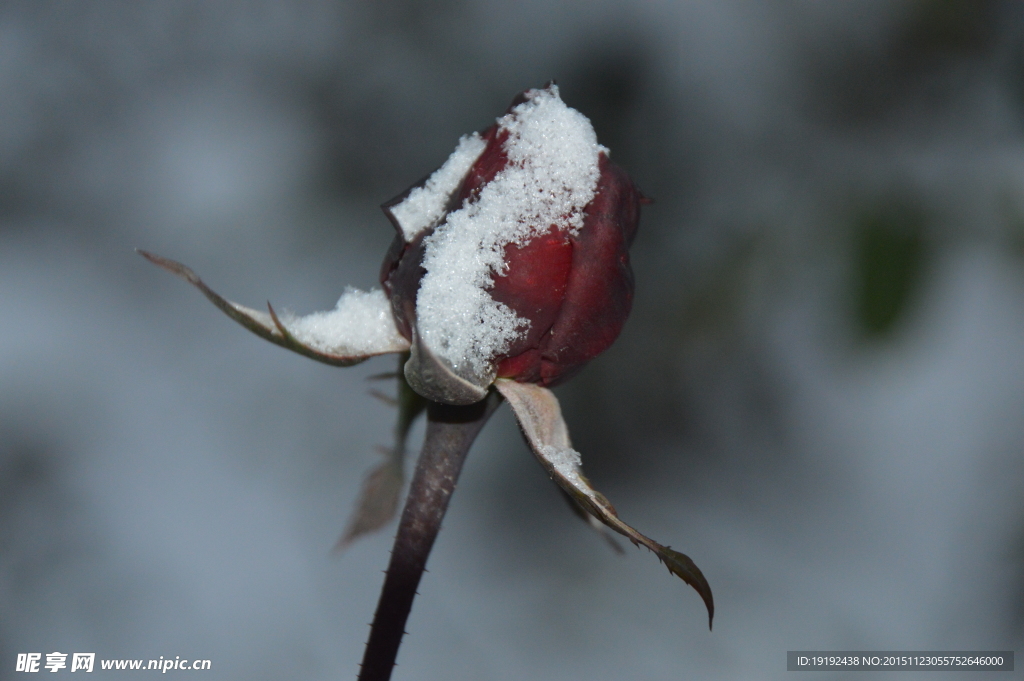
x,y
450,433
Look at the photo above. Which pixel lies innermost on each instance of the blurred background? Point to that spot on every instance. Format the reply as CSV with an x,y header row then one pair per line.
x,y
819,396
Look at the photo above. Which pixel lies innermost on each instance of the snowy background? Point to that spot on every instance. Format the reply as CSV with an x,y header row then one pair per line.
x,y
819,397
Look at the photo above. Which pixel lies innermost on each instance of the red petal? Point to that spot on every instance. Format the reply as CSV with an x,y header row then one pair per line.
x,y
599,294
534,286
491,161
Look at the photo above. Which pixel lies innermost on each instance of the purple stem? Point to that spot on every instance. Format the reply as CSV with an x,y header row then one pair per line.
x,y
450,433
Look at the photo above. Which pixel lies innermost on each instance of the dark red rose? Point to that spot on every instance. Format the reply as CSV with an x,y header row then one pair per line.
x,y
568,282
510,269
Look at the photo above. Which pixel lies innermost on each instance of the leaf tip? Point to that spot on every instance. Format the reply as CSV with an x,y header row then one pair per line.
x,y
172,266
277,322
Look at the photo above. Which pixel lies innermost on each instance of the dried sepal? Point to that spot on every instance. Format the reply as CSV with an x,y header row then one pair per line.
x,y
383,397
540,419
592,522
268,325
431,377
382,487
378,497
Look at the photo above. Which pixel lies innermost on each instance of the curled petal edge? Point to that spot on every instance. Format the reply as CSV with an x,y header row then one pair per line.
x,y
540,418
268,325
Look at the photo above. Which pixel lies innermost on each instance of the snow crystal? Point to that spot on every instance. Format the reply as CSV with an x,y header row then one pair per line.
x,y
551,176
565,460
425,205
361,324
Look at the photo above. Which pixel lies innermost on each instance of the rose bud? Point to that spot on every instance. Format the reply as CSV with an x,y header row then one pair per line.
x,y
512,259
510,269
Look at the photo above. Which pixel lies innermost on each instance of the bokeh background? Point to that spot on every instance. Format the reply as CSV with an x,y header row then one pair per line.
x,y
819,396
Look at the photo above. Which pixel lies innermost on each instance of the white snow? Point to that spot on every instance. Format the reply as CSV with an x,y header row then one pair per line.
x,y
361,324
425,205
551,176
565,460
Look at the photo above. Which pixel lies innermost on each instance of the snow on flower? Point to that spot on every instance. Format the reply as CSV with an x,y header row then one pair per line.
x,y
509,272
